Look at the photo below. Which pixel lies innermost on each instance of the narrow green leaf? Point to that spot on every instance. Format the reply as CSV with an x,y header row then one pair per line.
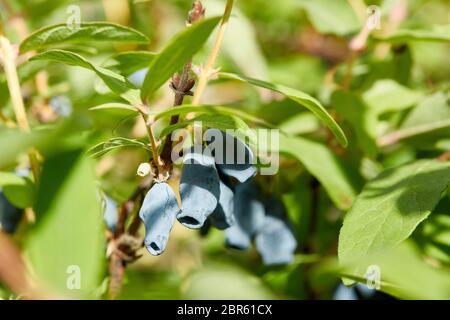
x,y
116,82
359,116
301,98
126,63
67,240
87,33
115,108
390,207
180,49
103,148
221,122
217,110
20,191
338,178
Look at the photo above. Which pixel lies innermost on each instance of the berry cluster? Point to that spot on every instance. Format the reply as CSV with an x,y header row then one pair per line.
x,y
219,192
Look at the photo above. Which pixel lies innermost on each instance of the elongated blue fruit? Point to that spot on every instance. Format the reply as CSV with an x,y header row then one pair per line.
x,y
249,216
345,293
275,241
158,213
199,188
232,156
9,215
62,105
110,214
223,216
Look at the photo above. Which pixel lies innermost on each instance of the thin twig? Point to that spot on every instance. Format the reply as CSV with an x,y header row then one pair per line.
x,y
8,58
208,69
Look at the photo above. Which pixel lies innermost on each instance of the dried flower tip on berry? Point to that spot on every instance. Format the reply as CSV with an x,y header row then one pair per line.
x,y
144,169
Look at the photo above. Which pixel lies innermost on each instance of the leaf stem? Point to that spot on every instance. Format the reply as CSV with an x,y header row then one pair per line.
x,y
9,64
206,71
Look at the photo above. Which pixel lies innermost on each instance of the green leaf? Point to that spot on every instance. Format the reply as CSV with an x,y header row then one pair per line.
x,y
87,33
301,98
221,122
69,229
126,63
339,179
390,207
388,96
424,125
214,110
120,109
404,273
20,191
440,33
103,148
330,16
117,83
300,124
180,49
234,283
361,118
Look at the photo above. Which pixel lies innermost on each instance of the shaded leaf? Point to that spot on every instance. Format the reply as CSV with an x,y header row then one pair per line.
x,y
20,191
339,180
68,236
126,63
390,207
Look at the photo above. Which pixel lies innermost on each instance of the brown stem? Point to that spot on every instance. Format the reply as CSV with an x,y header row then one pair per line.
x,y
181,87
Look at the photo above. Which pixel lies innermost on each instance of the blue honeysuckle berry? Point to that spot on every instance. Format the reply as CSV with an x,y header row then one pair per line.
x,y
275,240
359,291
249,216
345,293
232,156
10,216
137,78
62,105
223,216
199,188
110,214
158,213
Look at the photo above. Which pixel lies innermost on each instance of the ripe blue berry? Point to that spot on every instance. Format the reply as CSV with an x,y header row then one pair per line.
x,y
249,215
110,214
9,215
223,217
275,241
158,213
61,105
199,188
232,156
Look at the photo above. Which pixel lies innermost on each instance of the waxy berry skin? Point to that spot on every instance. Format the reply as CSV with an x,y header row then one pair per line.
x,y
158,212
223,216
275,240
9,215
232,156
199,189
249,216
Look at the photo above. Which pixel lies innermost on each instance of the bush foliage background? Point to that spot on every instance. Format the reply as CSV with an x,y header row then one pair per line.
x,y
383,199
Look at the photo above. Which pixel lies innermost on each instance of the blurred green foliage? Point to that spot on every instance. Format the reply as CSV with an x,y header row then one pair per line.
x,y
386,188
